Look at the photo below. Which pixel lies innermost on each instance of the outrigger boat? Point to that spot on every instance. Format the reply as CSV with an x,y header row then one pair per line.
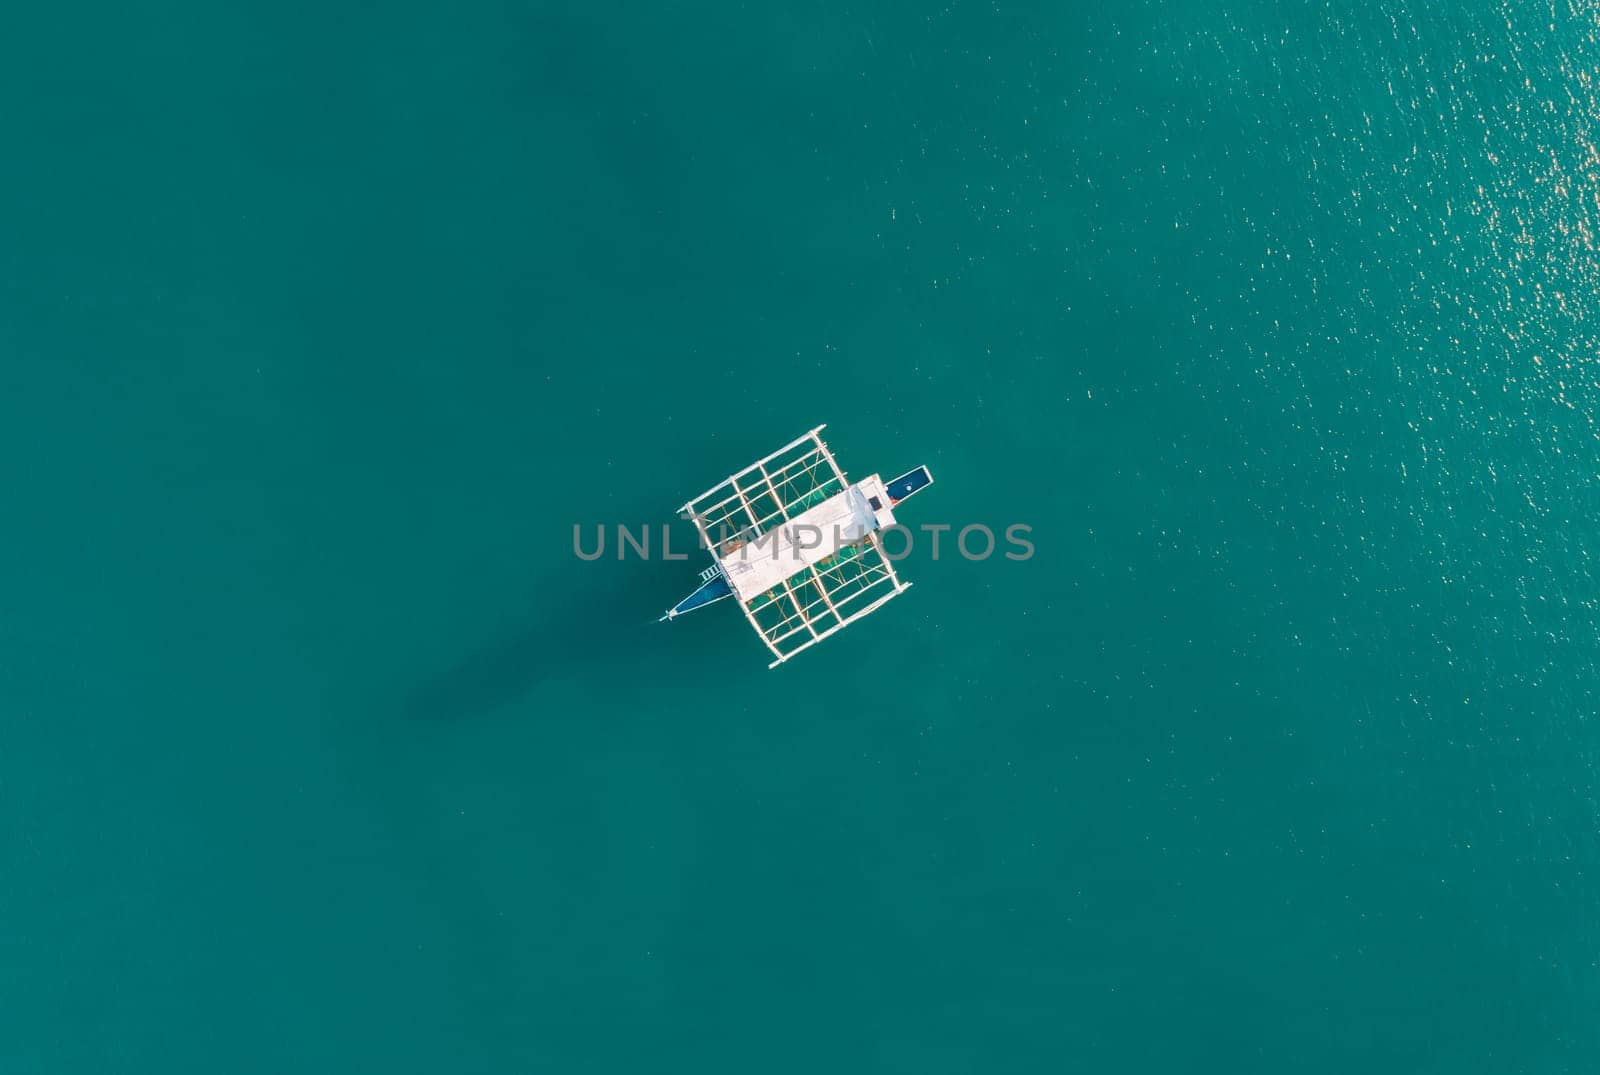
x,y
798,544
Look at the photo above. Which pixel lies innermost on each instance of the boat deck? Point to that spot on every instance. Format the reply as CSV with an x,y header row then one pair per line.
x,y
912,481
756,564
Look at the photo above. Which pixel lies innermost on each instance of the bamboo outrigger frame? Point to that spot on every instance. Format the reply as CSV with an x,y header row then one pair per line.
x,y
755,523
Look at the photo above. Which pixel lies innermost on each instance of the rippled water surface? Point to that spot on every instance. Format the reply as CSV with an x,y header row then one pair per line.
x,y
320,328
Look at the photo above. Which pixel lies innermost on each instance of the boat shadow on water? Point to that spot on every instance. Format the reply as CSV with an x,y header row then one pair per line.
x,y
604,636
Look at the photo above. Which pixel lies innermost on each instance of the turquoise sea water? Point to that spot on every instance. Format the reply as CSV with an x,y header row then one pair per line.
x,y
320,328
